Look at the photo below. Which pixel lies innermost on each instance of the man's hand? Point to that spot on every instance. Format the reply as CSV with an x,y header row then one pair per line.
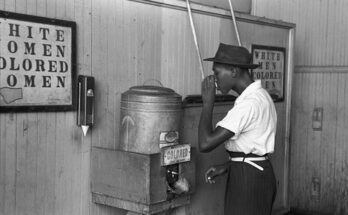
x,y
208,90
213,172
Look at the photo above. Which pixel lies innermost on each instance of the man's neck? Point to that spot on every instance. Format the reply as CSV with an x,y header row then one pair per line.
x,y
243,84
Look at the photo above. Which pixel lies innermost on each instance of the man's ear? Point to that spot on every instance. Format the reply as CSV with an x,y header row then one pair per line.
x,y
235,72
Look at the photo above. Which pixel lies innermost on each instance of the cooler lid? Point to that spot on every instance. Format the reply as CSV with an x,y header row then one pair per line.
x,y
147,93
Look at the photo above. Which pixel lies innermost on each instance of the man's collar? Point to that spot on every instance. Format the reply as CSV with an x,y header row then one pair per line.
x,y
251,88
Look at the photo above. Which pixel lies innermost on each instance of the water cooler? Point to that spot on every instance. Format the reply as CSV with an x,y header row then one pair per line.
x,y
152,171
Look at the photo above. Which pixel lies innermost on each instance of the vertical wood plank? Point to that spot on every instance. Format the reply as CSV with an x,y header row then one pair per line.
x,y
26,152
60,174
83,13
41,162
328,141
99,67
9,143
305,126
294,156
2,166
339,187
344,167
51,168
8,162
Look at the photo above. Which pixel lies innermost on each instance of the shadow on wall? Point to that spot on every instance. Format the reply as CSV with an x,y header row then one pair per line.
x,y
301,212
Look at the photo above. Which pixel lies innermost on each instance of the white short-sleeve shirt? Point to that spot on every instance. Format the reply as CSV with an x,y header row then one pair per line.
x,y
253,120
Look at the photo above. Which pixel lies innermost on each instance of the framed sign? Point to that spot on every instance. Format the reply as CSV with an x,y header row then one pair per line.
x,y
37,63
271,71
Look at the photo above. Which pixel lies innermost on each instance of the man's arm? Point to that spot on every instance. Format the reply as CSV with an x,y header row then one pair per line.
x,y
209,138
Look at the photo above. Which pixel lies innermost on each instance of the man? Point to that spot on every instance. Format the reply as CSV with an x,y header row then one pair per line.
x,y
248,132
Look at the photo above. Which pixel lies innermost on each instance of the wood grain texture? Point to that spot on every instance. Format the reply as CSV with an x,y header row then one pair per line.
x,y
321,33
44,158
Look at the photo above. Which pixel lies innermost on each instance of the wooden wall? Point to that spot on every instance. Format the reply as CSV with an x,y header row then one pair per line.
x,y
44,159
320,80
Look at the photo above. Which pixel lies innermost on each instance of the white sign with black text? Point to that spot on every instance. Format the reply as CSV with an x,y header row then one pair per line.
x,y
35,63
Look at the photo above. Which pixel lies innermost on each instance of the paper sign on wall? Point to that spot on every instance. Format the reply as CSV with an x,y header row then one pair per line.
x,y
37,69
271,71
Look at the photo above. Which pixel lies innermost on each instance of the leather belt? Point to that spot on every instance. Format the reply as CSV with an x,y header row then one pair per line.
x,y
249,160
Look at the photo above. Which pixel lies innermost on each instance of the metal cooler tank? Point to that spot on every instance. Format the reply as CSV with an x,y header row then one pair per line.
x,y
151,118
152,171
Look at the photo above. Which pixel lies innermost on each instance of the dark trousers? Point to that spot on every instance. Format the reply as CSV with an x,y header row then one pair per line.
x,y
250,191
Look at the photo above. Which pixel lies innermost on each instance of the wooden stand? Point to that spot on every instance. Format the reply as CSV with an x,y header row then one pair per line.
x,y
136,182
137,208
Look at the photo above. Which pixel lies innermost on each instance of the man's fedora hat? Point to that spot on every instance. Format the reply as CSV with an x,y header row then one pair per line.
x,y
233,55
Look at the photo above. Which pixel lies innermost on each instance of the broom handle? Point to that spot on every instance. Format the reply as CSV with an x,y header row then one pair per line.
x,y
234,22
195,38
